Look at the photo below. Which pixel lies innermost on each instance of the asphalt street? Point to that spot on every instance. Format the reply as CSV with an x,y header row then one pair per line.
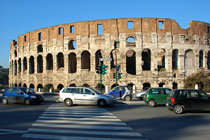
x,y
21,122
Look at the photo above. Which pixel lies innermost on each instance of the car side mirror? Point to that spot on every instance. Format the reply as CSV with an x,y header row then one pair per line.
x,y
22,93
93,93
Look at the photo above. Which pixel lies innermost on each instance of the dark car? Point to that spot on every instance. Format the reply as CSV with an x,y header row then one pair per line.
x,y
180,100
21,95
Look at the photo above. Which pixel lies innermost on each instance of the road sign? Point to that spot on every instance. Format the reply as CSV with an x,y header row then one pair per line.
x,y
105,59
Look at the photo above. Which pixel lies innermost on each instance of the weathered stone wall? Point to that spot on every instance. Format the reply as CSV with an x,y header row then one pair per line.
x,y
146,33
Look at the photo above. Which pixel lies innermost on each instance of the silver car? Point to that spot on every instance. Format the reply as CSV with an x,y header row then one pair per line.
x,y
84,95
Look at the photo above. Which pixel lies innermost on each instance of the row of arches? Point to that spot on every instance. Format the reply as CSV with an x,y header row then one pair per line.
x,y
146,60
51,88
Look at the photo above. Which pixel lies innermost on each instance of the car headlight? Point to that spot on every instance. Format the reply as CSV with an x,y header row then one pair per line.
x,y
34,97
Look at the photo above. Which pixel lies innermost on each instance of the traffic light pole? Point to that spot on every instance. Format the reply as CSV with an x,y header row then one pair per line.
x,y
101,82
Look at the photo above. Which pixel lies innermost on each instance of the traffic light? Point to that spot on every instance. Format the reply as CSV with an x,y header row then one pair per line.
x,y
119,75
114,75
99,69
116,44
104,69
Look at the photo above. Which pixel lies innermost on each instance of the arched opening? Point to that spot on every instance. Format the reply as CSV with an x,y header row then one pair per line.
x,y
31,86
98,88
39,64
39,49
15,68
130,42
200,58
113,86
85,60
146,59
15,84
48,88
15,53
131,62
175,59
98,55
59,87
72,63
24,64
40,88
19,85
19,65
161,60
72,45
208,60
189,62
31,65
161,84
115,56
24,85
60,61
49,59
175,85
146,86
86,85
72,85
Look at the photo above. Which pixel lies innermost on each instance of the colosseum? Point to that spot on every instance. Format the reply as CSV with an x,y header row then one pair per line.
x,y
152,52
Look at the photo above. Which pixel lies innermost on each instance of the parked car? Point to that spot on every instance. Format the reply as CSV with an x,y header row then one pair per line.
x,y
84,95
21,95
121,92
140,95
180,100
156,96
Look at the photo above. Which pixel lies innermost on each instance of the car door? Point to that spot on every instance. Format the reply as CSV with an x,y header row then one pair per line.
x,y
19,96
196,100
115,92
205,100
10,94
163,93
77,96
88,96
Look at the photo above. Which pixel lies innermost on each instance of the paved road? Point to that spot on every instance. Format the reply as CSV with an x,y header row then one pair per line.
x,y
53,120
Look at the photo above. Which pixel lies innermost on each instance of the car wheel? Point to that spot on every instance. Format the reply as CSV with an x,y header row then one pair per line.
x,y
151,103
27,102
101,103
178,109
68,102
127,98
4,101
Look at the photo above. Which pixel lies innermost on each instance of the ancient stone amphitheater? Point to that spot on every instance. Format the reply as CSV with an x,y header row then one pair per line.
x,y
153,52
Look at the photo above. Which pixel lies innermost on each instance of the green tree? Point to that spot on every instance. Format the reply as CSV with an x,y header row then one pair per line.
x,y
202,78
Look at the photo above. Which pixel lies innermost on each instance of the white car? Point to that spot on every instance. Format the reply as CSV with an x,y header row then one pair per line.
x,y
84,95
140,95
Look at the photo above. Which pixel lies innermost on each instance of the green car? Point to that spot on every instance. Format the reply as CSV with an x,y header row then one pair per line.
x,y
155,96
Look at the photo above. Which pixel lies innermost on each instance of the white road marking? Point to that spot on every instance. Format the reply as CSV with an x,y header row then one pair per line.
x,y
81,122
82,126
83,116
112,133
56,137
90,119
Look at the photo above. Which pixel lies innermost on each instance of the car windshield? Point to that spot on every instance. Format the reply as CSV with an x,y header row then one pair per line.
x,y
27,90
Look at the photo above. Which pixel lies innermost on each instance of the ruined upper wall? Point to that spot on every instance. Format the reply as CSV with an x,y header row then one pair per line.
x,y
115,27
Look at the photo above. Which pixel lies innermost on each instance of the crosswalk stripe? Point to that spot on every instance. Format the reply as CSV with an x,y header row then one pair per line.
x,y
77,113
83,116
67,118
56,137
82,126
112,133
81,122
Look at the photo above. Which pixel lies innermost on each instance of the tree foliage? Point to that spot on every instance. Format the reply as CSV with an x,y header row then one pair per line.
x,y
202,78
4,74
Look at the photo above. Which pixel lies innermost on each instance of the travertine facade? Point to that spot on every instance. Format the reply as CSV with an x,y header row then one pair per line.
x,y
152,52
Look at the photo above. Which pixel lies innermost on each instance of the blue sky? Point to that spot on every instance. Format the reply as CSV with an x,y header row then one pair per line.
x,y
20,16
